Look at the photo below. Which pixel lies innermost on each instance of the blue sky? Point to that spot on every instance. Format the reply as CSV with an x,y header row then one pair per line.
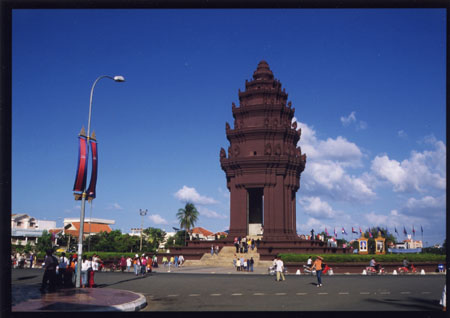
x,y
368,87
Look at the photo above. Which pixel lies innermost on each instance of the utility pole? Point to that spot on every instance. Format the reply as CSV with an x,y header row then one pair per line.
x,y
143,214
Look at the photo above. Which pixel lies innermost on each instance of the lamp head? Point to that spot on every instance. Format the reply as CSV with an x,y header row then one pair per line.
x,y
119,78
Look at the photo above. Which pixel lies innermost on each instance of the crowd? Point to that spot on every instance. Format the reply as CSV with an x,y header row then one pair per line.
x,y
242,244
243,264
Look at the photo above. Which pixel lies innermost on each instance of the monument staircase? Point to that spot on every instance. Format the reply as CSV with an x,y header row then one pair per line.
x,y
225,258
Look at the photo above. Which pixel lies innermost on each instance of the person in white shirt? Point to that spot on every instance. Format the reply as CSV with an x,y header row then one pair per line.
x,y
280,269
85,265
128,263
63,263
309,262
95,263
181,259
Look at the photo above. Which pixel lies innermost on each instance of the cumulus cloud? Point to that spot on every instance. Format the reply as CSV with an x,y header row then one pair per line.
x,y
428,205
316,208
394,219
114,206
187,194
210,213
157,219
349,119
421,171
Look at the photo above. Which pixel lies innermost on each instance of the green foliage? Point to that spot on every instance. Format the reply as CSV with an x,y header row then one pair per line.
x,y
354,258
433,250
179,239
187,216
44,242
113,241
153,237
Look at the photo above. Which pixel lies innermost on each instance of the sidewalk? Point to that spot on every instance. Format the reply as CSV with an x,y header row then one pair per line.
x,y
26,298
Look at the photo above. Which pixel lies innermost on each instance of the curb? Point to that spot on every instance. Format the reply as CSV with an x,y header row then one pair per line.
x,y
135,305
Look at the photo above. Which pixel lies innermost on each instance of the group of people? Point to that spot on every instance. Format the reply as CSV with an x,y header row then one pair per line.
x,y
177,261
243,244
21,260
243,264
318,265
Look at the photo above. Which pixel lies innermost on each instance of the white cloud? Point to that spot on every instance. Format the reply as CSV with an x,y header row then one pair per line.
x,y
317,208
402,134
395,219
210,213
187,194
421,171
427,206
157,219
349,119
114,206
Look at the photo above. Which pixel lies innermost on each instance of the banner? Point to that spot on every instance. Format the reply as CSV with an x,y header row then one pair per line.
x,y
92,184
80,178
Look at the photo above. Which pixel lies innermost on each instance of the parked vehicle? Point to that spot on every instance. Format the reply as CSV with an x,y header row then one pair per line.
x,y
307,269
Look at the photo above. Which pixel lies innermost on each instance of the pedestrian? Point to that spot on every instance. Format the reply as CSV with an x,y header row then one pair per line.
x,y
234,261
217,250
128,263
135,264
251,264
143,265
123,263
318,266
312,234
63,264
49,279
90,272
242,263
176,261
149,264
257,242
236,244
253,244
280,269
212,250
245,265
31,260
181,260
238,264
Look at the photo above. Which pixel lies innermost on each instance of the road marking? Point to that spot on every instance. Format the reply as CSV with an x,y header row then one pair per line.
x,y
258,294
322,293
213,272
194,295
172,295
405,293
364,293
343,293
236,294
216,294
280,294
385,293
426,293
301,294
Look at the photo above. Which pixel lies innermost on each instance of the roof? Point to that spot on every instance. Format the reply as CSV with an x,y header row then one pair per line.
x,y
221,233
200,230
93,220
95,228
56,231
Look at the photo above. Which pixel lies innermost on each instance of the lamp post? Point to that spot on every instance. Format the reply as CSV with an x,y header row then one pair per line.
x,y
142,213
117,78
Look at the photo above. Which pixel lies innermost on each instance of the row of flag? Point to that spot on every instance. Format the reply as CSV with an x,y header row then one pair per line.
x,y
383,232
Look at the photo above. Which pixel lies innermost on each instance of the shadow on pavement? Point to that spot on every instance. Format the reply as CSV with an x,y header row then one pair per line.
x,y
65,306
411,303
122,281
27,277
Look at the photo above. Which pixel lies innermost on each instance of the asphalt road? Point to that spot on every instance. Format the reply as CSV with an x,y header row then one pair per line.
x,y
230,292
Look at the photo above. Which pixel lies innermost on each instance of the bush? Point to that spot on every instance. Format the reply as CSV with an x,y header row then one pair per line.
x,y
356,258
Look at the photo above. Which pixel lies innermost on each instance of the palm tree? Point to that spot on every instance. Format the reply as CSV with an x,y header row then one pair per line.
x,y
187,217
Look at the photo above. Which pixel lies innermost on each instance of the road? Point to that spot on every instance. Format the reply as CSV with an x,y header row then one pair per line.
x,y
230,292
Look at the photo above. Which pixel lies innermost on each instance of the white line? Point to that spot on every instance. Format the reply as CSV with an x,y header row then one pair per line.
x,y
322,293
343,293
258,294
405,293
216,294
172,295
301,294
385,293
236,294
364,293
280,294
426,292
194,295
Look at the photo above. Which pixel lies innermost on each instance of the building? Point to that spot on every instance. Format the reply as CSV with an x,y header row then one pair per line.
x,y
409,243
263,163
26,229
91,226
199,233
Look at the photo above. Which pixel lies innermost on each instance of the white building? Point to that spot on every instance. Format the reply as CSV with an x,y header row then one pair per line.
x,y
26,229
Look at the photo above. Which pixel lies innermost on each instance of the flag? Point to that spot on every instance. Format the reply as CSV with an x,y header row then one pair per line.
x,y
326,232
80,178
91,189
421,229
395,230
414,231
360,231
380,230
354,231
335,234
370,233
404,231
343,231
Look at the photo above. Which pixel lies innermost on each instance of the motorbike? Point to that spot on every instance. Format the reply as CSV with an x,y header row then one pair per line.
x,y
307,269
405,270
272,270
371,270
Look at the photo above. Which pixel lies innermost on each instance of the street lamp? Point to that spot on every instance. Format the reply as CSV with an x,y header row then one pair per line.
x,y
84,195
142,213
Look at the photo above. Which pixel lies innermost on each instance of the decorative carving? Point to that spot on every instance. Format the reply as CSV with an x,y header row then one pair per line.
x,y
223,155
233,106
275,123
241,124
266,122
299,133
227,126
230,153
298,152
294,125
290,104
236,124
268,150
237,151
278,149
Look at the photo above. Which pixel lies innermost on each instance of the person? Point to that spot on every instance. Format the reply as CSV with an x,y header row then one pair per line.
x,y
251,262
234,261
245,265
181,260
128,263
90,272
50,263
238,264
257,242
253,244
374,264
242,263
149,264
95,262
309,262
135,264
31,260
279,269
406,264
63,264
217,249
312,234
176,260
212,250
123,263
317,265
143,265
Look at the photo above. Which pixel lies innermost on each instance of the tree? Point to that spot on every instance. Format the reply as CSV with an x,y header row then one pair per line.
x,y
44,242
180,237
154,237
187,217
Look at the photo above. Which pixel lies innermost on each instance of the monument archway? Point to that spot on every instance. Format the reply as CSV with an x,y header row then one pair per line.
x,y
263,163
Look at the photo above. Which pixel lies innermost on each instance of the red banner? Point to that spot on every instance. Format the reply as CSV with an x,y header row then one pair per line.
x,y
93,182
80,179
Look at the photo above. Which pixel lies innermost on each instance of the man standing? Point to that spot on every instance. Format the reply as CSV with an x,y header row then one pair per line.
x,y
279,269
50,264
318,266
63,263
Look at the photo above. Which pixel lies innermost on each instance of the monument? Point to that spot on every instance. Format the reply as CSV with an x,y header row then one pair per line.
x,y
263,163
